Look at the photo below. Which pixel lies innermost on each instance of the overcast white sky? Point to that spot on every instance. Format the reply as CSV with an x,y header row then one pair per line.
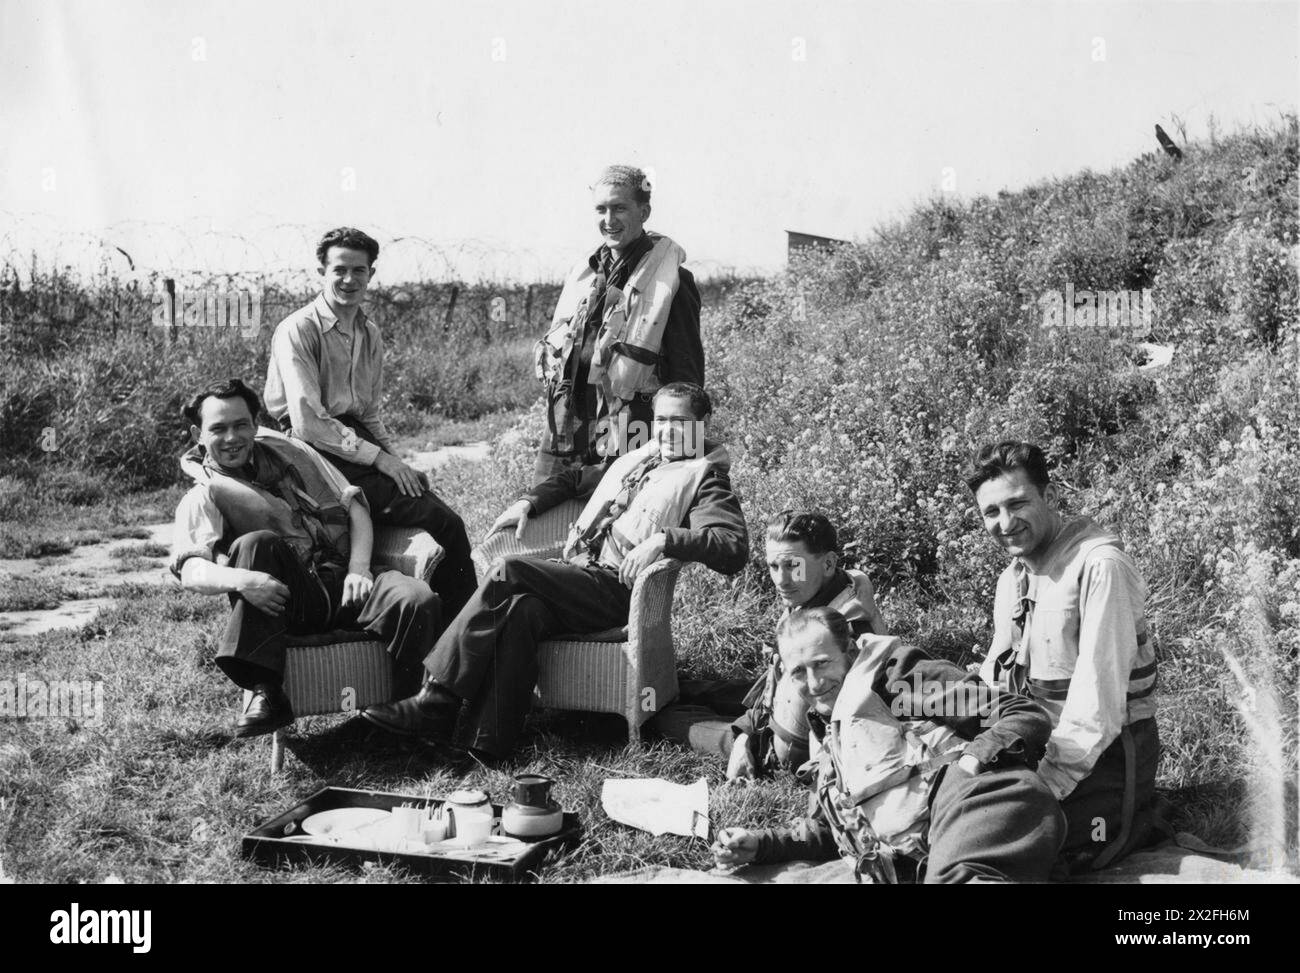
x,y
226,136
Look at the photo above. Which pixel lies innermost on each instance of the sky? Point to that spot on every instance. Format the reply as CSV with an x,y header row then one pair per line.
x,y
225,137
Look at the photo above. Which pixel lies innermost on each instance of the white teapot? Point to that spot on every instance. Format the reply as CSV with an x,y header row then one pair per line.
x,y
466,816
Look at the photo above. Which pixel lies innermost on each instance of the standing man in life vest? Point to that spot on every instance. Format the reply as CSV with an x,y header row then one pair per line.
x,y
627,322
1070,631
324,385
923,772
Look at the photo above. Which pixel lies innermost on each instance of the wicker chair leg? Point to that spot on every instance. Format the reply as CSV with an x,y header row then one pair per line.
x,y
633,731
277,751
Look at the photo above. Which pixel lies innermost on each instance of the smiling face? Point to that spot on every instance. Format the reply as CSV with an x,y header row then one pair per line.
x,y
816,664
227,431
347,274
1016,515
797,572
619,217
679,433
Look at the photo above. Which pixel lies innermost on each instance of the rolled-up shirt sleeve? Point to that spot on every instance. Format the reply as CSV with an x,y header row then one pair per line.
x,y
197,528
311,421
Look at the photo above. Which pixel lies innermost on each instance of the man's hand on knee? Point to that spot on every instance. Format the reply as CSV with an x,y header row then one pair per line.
x,y
409,481
357,587
264,592
516,515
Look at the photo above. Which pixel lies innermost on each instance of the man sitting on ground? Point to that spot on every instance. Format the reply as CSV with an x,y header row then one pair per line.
x,y
298,539
803,561
671,497
1069,630
908,787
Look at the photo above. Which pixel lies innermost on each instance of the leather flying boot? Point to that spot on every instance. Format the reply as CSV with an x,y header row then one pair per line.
x,y
430,714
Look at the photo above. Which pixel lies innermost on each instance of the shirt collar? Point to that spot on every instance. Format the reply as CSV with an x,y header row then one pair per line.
x,y
604,257
246,472
328,319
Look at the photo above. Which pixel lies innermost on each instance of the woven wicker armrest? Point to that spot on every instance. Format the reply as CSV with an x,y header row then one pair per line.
x,y
649,622
544,536
410,550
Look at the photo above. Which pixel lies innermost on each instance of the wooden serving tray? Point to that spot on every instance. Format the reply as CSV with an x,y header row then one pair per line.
x,y
281,840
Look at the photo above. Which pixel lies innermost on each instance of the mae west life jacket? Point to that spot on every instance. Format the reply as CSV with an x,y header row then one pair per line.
x,y
626,357
291,497
875,770
777,701
1045,617
663,501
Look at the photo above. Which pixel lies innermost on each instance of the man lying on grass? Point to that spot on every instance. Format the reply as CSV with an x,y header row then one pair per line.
x,y
298,538
1069,630
671,497
908,787
771,733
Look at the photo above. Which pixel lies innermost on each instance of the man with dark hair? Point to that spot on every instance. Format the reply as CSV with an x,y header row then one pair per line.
x,y
671,497
1069,630
803,553
298,538
923,773
803,561
627,322
324,385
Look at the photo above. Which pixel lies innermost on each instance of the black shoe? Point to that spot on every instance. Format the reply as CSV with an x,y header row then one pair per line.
x,y
268,710
430,714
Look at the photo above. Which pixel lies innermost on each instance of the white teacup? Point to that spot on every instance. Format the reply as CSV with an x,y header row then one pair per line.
x,y
472,830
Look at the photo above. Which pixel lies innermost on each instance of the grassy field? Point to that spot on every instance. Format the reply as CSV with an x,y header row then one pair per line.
x,y
858,383
160,792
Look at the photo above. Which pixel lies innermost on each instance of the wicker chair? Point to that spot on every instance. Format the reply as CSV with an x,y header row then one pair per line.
x,y
343,671
630,671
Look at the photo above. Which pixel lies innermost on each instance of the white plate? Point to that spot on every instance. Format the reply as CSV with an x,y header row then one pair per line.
x,y
343,819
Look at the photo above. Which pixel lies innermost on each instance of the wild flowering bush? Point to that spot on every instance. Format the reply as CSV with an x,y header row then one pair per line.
x,y
860,383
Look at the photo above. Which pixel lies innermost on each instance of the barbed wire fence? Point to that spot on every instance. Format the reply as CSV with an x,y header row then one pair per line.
x,y
134,276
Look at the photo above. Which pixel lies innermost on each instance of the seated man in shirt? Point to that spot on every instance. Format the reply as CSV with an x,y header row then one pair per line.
x,y
298,539
324,385
671,497
1070,630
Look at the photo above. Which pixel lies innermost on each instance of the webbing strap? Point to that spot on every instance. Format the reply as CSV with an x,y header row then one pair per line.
x,y
1130,799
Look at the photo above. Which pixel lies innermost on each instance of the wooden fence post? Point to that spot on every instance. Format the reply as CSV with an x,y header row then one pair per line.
x,y
451,308
169,285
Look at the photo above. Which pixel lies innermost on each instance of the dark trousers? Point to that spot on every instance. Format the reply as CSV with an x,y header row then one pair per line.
x,y
488,654
996,826
453,579
400,610
1095,809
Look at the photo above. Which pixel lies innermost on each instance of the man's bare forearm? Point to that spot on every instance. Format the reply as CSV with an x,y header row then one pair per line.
x,y
208,578
362,535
